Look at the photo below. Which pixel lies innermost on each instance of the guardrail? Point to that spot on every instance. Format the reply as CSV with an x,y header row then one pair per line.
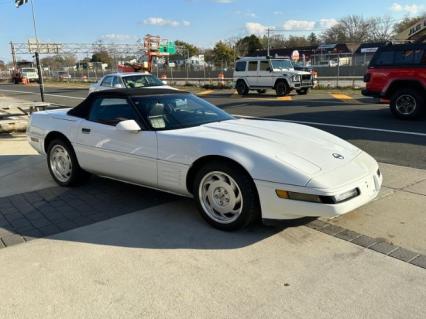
x,y
321,81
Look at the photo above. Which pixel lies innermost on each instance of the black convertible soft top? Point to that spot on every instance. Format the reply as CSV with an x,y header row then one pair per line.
x,y
83,108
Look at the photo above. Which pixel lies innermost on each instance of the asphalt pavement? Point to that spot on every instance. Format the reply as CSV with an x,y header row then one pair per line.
x,y
346,114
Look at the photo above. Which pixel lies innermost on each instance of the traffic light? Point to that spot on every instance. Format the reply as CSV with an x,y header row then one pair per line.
x,y
19,3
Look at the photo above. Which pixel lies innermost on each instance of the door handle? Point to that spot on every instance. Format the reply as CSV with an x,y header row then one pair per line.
x,y
85,130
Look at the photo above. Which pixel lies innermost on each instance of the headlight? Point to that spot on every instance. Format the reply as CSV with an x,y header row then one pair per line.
x,y
345,196
318,198
296,78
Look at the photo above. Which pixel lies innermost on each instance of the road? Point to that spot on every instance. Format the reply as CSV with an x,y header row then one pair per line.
x,y
348,115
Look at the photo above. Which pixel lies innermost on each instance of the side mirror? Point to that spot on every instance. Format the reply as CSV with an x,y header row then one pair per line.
x,y
128,126
118,86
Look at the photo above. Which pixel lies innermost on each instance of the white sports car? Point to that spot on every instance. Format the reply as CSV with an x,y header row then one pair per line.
x,y
237,170
128,80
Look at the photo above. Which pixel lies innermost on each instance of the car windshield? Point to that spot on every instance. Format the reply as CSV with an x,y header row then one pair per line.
x,y
175,111
138,81
281,64
28,70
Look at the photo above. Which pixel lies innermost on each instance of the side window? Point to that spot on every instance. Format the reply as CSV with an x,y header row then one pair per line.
x,y
420,57
423,58
240,66
107,81
264,66
404,57
111,111
252,66
385,58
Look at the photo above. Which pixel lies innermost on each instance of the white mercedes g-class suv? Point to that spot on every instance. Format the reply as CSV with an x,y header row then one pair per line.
x,y
261,73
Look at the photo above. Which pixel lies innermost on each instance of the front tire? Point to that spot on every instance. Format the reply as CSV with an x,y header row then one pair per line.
x,y
302,91
407,104
63,165
282,88
226,196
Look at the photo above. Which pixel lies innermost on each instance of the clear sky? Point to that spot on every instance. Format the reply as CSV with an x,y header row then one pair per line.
x,y
202,22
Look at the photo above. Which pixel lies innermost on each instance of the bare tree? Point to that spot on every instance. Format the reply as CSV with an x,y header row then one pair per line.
x,y
381,29
348,29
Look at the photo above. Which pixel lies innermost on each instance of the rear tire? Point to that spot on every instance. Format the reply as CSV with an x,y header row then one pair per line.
x,y
226,196
242,88
302,91
63,165
407,104
282,88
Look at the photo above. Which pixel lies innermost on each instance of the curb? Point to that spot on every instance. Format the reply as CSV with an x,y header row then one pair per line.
x,y
379,245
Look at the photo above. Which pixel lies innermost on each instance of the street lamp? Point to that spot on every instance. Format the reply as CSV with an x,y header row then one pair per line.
x,y
19,3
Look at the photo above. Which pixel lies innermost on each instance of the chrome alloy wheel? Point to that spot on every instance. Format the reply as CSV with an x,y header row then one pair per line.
x,y
220,197
60,163
406,104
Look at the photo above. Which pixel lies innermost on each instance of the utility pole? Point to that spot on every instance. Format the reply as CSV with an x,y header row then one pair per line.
x,y
37,53
187,67
268,47
12,50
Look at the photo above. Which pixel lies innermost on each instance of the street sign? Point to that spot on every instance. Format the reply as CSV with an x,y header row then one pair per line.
x,y
19,3
169,47
369,50
44,48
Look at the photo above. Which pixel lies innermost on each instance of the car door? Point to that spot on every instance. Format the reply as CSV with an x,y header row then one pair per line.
x,y
252,73
264,74
105,150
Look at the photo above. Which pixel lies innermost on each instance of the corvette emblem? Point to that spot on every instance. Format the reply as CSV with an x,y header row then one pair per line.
x,y
338,156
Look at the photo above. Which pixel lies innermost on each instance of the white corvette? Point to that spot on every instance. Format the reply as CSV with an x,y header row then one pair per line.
x,y
237,170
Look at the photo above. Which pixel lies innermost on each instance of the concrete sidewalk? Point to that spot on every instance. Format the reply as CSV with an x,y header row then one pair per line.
x,y
166,262
398,214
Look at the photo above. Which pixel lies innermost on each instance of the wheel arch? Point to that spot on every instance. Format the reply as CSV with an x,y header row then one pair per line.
x,y
406,84
242,79
200,162
52,136
280,80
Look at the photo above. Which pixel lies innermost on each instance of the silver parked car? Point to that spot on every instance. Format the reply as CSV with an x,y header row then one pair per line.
x,y
128,80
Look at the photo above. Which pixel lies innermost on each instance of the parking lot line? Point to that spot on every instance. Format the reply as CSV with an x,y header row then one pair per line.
x,y
262,98
340,96
207,92
362,128
46,94
284,98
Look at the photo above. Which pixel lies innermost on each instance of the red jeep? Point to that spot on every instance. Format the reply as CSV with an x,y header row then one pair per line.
x,y
398,73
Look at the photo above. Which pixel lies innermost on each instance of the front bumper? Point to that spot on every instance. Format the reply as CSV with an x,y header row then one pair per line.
x,y
302,85
275,208
369,93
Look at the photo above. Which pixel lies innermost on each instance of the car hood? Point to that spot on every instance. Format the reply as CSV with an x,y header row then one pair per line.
x,y
303,147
